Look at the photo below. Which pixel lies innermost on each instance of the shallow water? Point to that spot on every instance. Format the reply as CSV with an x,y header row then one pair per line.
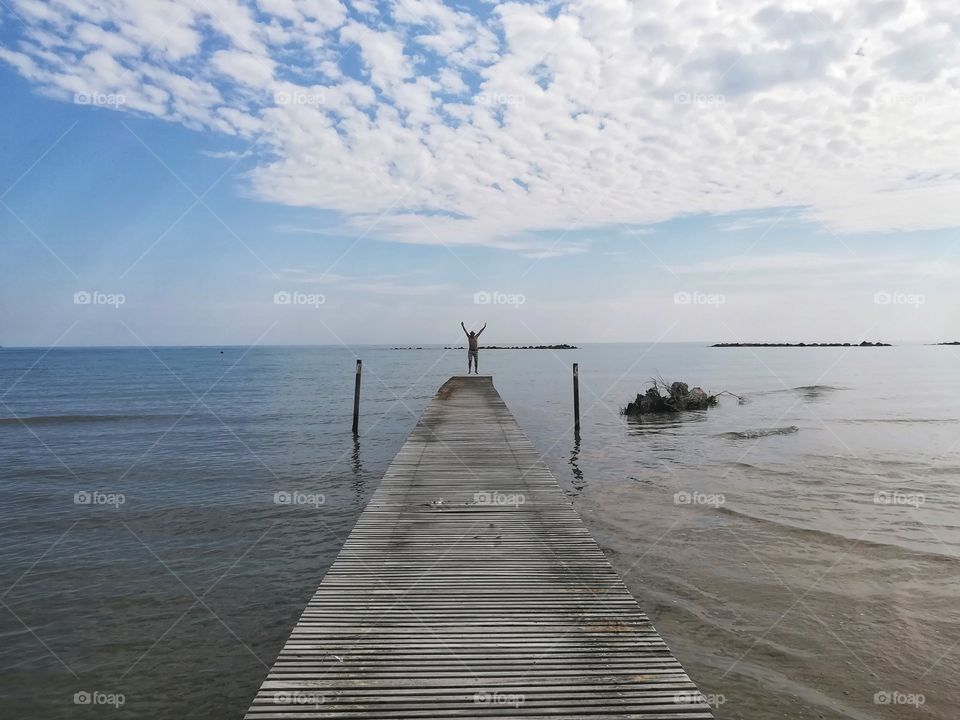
x,y
795,572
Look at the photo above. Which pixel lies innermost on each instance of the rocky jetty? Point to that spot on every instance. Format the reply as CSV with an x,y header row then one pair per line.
x,y
865,343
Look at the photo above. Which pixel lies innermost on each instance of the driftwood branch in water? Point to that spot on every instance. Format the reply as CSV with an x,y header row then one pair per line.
x,y
664,397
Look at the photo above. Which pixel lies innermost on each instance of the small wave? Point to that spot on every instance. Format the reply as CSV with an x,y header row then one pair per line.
x,y
764,432
815,392
906,421
808,392
65,419
848,541
768,472
803,388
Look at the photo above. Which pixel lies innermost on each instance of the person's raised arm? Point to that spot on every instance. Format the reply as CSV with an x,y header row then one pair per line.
x,y
482,329
464,328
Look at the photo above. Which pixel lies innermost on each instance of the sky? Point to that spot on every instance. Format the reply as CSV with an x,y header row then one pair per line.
x,y
208,172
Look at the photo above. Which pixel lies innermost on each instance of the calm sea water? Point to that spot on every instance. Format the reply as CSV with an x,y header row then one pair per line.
x,y
797,550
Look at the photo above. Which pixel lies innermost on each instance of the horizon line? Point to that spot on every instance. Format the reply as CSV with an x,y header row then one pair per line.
x,y
435,345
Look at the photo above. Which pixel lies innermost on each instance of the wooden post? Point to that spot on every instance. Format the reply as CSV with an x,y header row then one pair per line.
x,y
576,400
356,399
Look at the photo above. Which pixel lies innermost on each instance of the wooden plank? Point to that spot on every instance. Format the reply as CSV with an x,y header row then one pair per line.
x,y
469,587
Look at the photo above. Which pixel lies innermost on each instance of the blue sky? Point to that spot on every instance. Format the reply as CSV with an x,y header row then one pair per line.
x,y
419,164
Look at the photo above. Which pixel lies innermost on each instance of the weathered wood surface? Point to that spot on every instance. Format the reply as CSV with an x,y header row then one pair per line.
x,y
470,588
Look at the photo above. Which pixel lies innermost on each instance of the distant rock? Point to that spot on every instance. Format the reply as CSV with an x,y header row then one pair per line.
x,y
865,343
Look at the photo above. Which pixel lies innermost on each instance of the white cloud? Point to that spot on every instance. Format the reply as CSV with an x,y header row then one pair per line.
x,y
532,119
326,13
244,67
226,154
383,55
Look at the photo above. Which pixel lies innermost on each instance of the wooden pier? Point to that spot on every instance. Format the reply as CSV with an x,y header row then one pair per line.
x,y
470,588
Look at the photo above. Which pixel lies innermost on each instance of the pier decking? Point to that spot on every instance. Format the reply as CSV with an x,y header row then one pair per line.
x,y
470,588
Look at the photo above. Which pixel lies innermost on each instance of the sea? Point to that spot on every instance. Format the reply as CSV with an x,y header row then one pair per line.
x,y
166,513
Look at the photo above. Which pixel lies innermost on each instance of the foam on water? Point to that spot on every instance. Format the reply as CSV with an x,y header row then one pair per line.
x,y
761,433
